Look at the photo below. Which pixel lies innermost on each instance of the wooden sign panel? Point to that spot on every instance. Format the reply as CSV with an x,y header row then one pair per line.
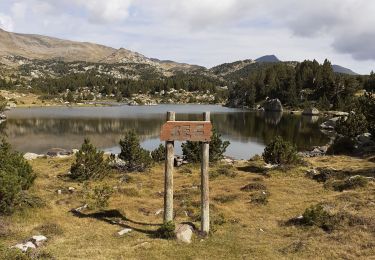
x,y
186,131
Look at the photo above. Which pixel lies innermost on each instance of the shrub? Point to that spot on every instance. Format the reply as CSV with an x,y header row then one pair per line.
x,y
16,175
11,253
317,216
260,197
223,171
136,158
97,197
254,186
166,230
366,106
192,151
354,125
280,152
158,154
342,145
3,104
350,183
89,164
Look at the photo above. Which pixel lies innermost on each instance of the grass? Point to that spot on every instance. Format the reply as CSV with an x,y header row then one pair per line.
x,y
243,230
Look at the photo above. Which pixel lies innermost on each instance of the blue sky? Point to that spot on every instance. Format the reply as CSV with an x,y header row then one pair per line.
x,y
209,32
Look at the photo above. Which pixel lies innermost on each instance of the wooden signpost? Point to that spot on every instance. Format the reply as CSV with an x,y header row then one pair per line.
x,y
187,131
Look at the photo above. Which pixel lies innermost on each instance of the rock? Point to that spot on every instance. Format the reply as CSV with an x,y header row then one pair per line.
x,y
58,152
184,232
338,113
312,111
124,231
273,105
71,189
31,156
159,211
59,192
270,166
79,209
364,138
25,246
330,124
38,240
3,117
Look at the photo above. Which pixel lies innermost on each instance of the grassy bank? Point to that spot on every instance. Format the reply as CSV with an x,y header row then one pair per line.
x,y
243,228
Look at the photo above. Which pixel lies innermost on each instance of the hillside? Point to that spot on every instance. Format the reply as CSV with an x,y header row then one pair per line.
x,y
343,70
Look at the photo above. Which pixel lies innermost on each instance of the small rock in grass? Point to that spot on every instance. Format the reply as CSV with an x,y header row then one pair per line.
x,y
38,240
124,231
158,212
184,233
25,247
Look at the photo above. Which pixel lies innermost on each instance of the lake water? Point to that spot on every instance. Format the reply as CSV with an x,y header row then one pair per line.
x,y
39,129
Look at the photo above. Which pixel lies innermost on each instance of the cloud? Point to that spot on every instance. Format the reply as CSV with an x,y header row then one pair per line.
x,y
6,22
106,11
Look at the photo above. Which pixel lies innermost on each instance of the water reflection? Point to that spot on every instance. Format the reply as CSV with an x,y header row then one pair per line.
x,y
37,131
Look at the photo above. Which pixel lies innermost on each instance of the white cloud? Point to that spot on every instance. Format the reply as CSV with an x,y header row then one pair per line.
x,y
18,10
6,22
106,11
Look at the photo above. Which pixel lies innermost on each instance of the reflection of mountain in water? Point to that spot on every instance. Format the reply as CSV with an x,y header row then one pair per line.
x,y
40,134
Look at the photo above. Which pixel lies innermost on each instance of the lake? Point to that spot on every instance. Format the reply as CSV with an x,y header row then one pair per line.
x,y
39,129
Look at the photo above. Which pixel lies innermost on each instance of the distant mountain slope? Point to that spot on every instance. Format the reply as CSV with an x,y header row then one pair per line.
x,y
343,70
268,58
228,68
42,47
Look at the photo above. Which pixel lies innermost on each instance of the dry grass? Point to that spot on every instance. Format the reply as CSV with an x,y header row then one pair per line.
x,y
250,231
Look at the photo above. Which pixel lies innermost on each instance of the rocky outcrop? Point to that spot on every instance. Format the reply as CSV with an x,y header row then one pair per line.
x,y
312,111
273,105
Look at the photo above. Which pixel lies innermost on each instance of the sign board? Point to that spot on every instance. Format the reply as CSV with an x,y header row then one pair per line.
x,y
186,131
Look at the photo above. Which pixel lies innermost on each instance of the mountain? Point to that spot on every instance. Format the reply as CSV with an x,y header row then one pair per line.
x,y
343,70
268,58
31,46
43,47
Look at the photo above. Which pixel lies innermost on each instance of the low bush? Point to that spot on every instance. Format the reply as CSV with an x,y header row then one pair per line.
x,y
260,197
158,155
97,197
11,253
3,104
317,216
280,152
254,187
192,151
342,145
16,176
350,183
224,170
135,157
89,164
166,231
225,198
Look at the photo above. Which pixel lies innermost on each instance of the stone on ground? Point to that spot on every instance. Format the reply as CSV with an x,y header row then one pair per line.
x,y
184,232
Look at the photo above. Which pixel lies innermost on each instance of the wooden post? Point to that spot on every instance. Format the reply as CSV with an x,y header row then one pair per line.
x,y
205,201
168,176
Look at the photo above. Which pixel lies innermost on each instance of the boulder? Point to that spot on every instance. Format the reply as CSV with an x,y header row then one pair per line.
x,y
312,111
183,233
273,105
58,152
38,240
3,117
31,156
330,124
24,247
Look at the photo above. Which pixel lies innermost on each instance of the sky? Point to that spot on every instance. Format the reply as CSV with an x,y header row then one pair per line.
x,y
209,32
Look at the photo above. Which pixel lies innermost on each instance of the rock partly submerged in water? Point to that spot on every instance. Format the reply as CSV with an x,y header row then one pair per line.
x,y
311,111
59,152
32,156
273,105
330,124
